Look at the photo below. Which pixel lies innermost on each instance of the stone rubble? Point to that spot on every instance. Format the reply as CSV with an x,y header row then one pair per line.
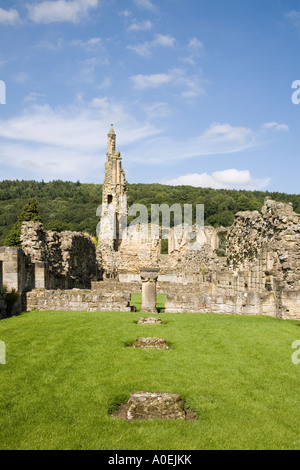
x,y
150,343
148,405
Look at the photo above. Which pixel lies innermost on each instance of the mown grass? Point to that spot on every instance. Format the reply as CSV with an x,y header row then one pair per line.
x,y
66,370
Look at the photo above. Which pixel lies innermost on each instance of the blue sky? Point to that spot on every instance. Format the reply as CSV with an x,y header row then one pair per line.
x,y
199,91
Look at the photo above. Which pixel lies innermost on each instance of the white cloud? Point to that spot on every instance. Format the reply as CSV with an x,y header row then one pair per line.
x,y
227,132
226,179
88,67
294,17
9,17
164,40
195,44
137,26
154,80
276,126
218,139
89,44
192,85
146,4
67,143
51,46
158,110
60,10
33,96
160,40
100,102
194,51
125,13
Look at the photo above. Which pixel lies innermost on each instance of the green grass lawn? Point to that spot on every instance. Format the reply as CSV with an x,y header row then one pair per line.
x,y
66,370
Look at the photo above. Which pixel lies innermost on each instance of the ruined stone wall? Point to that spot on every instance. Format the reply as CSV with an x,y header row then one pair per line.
x,y
106,300
270,240
222,296
69,257
260,276
138,249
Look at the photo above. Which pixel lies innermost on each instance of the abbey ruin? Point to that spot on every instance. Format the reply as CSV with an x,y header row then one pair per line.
x,y
259,273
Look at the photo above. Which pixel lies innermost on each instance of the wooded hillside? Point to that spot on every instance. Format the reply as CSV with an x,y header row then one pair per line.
x,y
72,206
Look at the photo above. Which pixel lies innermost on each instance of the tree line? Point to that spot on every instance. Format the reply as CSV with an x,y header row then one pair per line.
x,y
64,205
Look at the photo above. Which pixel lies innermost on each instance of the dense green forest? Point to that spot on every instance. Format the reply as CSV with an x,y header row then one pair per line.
x,y
72,206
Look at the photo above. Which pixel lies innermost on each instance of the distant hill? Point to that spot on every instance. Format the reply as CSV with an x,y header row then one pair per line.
x,y
72,206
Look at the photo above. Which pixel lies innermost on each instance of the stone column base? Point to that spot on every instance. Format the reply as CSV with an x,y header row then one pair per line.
x,y
149,310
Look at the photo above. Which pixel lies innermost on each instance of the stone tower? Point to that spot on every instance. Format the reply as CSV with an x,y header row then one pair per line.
x,y
113,209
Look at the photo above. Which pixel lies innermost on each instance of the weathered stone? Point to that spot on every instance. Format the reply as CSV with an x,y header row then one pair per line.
x,y
69,258
150,343
113,210
149,321
147,405
149,278
14,265
78,300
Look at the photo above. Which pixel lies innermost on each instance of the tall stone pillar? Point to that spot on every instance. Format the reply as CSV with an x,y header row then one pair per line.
x,y
149,279
113,210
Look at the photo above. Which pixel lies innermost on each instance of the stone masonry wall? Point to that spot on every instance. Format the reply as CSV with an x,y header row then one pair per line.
x,y
2,300
70,257
270,240
105,300
262,272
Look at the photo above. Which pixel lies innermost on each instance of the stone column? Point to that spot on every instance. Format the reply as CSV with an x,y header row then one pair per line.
x,y
149,278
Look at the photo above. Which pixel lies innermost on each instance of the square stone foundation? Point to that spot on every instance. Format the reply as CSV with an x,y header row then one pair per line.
x,y
147,405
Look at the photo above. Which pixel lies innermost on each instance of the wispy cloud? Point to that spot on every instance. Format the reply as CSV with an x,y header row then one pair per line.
x,y
21,77
218,139
225,179
68,142
59,43
294,17
33,96
125,13
88,68
50,45
194,51
158,110
192,85
194,44
276,126
145,4
137,26
160,40
9,17
89,44
154,80
60,10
